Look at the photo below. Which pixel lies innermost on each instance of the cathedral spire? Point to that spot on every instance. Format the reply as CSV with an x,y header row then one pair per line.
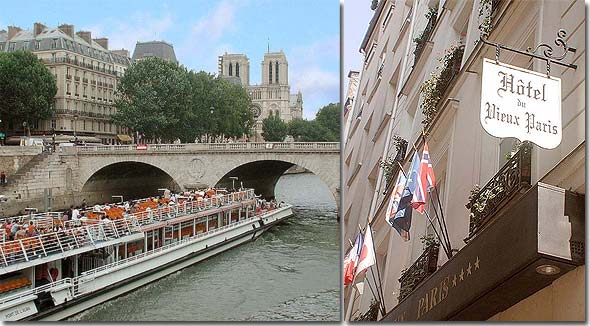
x,y
268,46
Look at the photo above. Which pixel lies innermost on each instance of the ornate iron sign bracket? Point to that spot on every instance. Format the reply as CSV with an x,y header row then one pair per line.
x,y
547,54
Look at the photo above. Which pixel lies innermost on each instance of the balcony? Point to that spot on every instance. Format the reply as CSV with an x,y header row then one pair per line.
x,y
435,89
93,82
513,179
85,80
425,35
68,76
76,78
423,267
502,265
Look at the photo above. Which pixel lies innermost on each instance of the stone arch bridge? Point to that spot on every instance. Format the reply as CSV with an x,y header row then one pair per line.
x,y
96,173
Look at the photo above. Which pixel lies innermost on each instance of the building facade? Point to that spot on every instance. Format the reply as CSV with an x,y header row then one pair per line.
x,y
158,49
353,84
87,73
273,95
518,250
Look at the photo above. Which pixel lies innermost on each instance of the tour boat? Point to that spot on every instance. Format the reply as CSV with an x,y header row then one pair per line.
x,y
57,274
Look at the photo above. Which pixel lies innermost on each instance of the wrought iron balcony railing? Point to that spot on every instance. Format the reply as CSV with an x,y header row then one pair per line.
x,y
513,178
423,267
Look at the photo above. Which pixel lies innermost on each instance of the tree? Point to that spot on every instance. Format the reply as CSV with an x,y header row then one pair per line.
x,y
27,88
273,128
154,99
325,127
232,115
163,100
329,118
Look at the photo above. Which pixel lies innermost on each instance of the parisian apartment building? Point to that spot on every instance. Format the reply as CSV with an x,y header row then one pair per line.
x,y
513,212
273,95
87,73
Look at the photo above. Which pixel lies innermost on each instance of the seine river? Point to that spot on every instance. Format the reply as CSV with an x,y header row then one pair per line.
x,y
290,273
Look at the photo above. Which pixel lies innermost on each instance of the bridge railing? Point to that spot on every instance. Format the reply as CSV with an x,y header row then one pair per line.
x,y
303,146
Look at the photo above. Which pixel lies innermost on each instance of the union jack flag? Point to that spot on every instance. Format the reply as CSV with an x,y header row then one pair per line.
x,y
427,181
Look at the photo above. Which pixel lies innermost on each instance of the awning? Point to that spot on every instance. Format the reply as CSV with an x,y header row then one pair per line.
x,y
504,263
125,138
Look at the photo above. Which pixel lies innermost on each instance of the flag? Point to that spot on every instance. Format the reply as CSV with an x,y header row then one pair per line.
x,y
354,258
417,189
428,175
367,256
347,261
427,181
395,197
403,217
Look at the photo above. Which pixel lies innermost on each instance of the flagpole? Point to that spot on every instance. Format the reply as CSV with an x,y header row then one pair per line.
x,y
445,230
442,230
443,243
436,213
377,289
443,217
379,278
374,279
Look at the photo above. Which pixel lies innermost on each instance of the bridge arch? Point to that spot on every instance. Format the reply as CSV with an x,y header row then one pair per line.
x,y
263,173
128,178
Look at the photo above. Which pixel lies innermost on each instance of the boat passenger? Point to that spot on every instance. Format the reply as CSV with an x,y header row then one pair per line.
x,y
31,229
75,214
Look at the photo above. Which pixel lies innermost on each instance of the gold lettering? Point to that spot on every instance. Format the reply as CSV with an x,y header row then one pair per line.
x,y
433,301
420,305
445,288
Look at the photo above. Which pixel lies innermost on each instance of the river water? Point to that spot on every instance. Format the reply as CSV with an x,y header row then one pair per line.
x,y
291,272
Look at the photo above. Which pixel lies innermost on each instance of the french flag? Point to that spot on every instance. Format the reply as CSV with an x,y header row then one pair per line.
x,y
367,256
351,260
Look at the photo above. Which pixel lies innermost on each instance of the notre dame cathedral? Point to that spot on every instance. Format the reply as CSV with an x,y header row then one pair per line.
x,y
273,95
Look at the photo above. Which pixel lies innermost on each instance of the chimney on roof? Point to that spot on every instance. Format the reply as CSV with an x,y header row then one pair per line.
x,y
68,29
122,52
103,41
38,28
12,31
86,36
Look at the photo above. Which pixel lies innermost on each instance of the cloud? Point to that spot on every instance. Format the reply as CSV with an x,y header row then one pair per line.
x,y
314,70
202,45
140,26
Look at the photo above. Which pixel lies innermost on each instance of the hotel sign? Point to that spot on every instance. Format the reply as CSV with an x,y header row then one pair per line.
x,y
520,103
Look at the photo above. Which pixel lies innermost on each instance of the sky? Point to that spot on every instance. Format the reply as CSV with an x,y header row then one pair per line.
x,y
357,15
307,31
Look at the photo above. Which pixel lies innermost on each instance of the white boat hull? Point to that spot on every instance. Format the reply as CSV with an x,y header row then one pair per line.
x,y
110,283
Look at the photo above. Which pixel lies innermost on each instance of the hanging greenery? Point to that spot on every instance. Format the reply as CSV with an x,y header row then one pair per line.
x,y
421,39
428,240
391,165
477,202
371,314
485,16
434,87
515,149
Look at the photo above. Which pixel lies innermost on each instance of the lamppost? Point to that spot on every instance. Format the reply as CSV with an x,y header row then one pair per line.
x,y
75,123
25,127
211,111
233,180
2,139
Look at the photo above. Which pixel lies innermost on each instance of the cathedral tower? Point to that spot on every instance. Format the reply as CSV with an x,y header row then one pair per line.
x,y
235,66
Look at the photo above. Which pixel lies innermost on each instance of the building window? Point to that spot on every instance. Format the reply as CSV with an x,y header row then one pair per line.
x,y
68,88
53,124
54,43
26,46
277,72
230,69
237,69
2,47
270,72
